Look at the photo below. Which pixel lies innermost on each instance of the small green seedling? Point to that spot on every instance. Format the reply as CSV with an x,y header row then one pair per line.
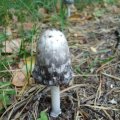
x,y
43,116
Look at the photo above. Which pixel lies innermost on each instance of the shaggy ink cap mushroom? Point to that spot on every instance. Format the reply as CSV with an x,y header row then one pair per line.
x,y
53,65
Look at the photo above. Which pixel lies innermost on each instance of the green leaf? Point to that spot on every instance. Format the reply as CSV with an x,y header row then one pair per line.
x,y
43,116
107,60
8,91
2,37
4,84
5,99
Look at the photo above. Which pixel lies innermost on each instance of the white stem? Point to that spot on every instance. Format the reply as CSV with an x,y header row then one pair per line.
x,y
69,11
55,98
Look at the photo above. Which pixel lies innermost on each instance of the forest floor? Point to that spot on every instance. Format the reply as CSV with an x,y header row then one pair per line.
x,y
94,92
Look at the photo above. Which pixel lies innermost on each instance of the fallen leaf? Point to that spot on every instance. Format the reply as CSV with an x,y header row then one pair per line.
x,y
28,26
43,11
18,79
12,45
93,49
75,18
26,67
79,18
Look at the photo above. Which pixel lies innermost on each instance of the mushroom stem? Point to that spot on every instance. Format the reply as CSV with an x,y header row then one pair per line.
x,y
69,10
55,98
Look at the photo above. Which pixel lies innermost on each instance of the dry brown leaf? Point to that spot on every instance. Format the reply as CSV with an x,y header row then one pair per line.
x,y
25,66
75,17
80,17
43,11
18,79
12,45
28,26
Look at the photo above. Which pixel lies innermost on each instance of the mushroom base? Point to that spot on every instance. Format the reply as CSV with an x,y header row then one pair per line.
x,y
55,114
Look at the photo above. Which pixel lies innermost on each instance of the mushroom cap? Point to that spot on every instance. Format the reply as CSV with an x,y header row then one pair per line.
x,y
68,1
53,64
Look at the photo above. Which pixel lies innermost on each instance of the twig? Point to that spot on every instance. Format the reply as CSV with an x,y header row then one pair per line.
x,y
85,75
15,106
100,114
98,94
107,66
110,118
10,70
111,76
74,86
101,107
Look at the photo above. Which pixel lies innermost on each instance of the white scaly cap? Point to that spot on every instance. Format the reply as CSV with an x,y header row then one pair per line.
x,y
53,64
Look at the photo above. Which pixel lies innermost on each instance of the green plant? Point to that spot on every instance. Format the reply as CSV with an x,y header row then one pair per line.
x,y
43,116
5,94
